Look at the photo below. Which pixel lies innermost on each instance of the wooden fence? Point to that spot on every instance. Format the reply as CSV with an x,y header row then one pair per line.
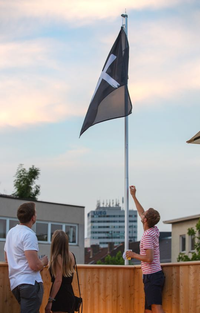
x,y
119,289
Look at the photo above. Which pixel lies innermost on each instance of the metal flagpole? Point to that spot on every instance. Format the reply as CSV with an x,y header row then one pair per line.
x,y
126,177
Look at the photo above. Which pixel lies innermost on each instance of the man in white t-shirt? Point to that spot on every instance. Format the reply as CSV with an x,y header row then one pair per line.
x,y
153,277
21,253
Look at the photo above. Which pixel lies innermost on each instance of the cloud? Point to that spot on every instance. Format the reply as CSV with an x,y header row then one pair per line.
x,y
20,54
32,53
75,11
35,86
27,102
69,160
38,84
164,60
165,86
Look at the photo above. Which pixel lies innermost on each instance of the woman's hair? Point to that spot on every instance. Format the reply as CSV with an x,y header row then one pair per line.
x,y
60,246
153,217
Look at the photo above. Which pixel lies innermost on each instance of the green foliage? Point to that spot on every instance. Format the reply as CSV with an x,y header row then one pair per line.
x,y
99,262
191,231
115,260
194,256
24,183
182,257
198,226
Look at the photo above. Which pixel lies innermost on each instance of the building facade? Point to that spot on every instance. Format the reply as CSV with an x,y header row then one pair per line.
x,y
107,225
181,241
50,217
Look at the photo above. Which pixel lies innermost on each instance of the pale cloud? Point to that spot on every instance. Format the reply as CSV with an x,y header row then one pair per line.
x,y
34,86
160,67
19,54
30,53
23,102
166,86
75,11
68,160
164,60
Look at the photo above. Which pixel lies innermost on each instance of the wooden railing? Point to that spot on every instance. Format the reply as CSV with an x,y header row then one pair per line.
x,y
119,289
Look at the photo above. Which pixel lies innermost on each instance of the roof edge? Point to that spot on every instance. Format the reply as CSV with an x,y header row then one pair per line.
x,y
39,201
182,219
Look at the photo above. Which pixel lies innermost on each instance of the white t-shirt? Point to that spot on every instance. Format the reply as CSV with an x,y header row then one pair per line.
x,y
19,239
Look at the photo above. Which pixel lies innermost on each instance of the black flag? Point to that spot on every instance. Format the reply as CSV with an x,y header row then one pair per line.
x,y
111,97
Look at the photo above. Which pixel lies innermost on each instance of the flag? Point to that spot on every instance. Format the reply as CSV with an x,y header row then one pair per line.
x,y
195,139
111,97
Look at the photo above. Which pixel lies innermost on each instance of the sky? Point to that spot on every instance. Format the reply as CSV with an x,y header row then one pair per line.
x,y
51,56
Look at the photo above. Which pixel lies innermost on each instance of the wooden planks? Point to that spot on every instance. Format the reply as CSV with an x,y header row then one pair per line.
x,y
119,289
8,303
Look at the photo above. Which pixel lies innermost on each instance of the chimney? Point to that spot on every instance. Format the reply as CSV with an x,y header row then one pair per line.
x,y
94,249
110,246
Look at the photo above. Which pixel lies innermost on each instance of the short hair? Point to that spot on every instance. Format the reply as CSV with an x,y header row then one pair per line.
x,y
25,212
152,216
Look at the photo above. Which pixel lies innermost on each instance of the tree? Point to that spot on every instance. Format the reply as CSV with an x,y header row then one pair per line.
x,y
115,260
194,256
24,183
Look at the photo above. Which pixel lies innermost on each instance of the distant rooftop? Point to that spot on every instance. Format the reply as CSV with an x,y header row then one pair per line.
x,y
111,204
16,198
103,208
95,253
182,219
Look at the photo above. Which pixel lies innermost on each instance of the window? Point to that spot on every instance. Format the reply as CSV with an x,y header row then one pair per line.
x,y
192,243
182,243
13,223
5,225
55,227
3,228
42,231
71,232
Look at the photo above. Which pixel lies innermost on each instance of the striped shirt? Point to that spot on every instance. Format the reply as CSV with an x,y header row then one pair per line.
x,y
150,240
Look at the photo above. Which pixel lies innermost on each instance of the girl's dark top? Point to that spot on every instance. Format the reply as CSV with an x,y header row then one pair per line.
x,y
65,296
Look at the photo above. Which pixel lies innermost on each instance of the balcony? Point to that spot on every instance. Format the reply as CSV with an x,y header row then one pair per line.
x,y
119,289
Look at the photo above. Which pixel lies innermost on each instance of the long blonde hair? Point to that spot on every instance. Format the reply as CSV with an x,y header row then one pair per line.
x,y
60,246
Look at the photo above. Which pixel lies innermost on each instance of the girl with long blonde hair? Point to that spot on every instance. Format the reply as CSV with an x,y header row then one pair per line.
x,y
61,267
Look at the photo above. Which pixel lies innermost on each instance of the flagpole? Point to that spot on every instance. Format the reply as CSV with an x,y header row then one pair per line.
x,y
126,177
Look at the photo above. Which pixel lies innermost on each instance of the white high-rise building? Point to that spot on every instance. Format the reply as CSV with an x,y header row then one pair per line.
x,y
107,224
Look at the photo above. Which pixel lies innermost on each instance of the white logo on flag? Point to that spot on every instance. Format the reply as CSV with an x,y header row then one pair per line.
x,y
107,77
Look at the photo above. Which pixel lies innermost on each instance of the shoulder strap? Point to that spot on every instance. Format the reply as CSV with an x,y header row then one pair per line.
x,y
74,258
78,281
79,289
76,268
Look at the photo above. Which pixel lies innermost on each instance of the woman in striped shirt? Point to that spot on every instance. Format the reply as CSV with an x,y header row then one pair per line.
x,y
153,277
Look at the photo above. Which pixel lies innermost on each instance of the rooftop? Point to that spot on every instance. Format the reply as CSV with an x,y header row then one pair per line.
x,y
39,201
182,219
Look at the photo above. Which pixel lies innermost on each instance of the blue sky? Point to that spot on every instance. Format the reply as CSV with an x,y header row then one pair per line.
x,y
51,55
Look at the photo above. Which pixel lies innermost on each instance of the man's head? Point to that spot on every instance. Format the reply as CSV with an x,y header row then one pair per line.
x,y
26,212
152,217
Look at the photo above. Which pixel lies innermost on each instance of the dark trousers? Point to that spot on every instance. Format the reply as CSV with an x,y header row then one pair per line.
x,y
153,286
29,297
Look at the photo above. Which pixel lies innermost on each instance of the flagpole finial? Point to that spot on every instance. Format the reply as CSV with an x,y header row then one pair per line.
x,y
124,21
